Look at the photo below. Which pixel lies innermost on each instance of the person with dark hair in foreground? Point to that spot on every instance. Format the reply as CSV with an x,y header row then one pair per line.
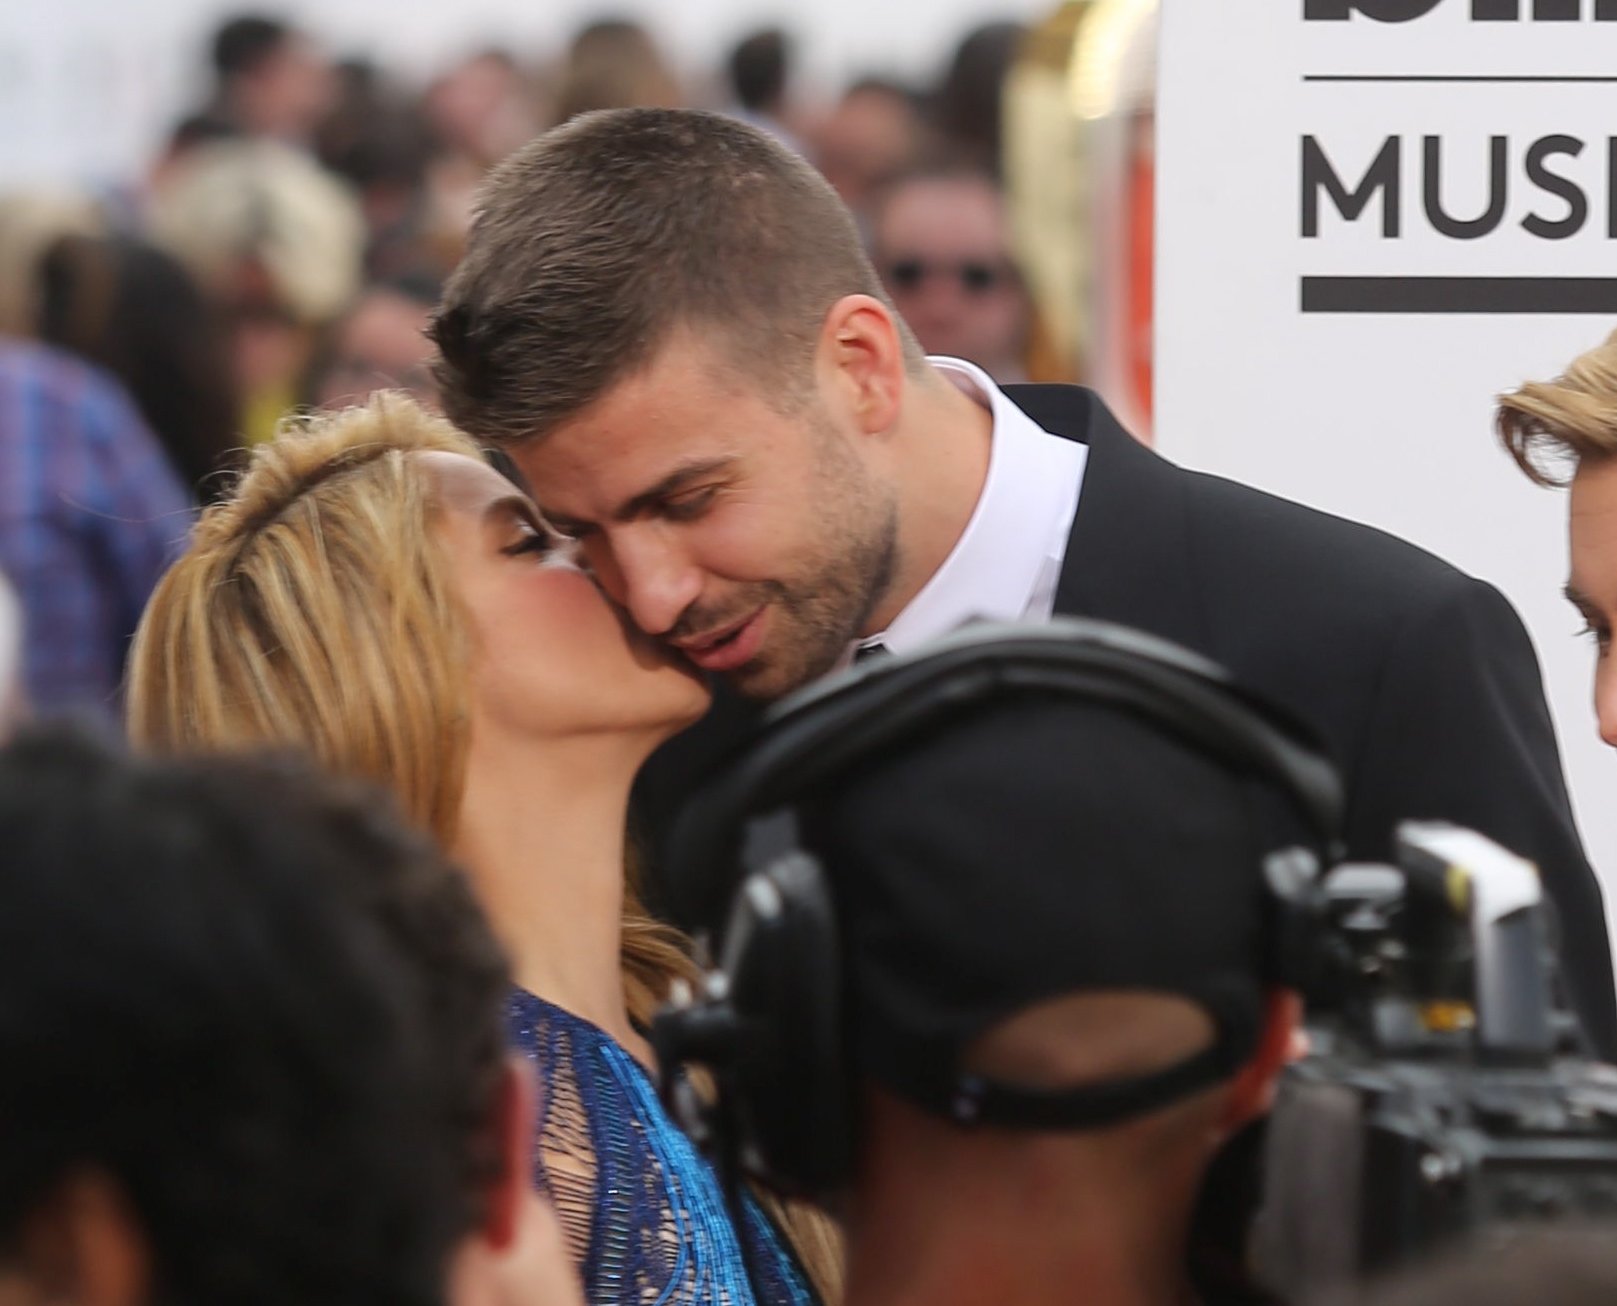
x,y
1149,959
670,323
250,1047
1024,1059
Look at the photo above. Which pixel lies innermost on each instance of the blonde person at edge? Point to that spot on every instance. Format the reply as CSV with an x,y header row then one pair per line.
x,y
374,592
1564,432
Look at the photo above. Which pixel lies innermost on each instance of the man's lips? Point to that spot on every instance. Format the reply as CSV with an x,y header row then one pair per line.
x,y
728,647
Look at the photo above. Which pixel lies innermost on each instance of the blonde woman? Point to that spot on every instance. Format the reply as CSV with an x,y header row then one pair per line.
x,y
375,592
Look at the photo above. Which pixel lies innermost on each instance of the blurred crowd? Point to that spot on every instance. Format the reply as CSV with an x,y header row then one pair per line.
x,y
284,251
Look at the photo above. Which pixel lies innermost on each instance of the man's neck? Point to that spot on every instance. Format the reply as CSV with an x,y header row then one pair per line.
x,y
1048,1255
942,445
941,1217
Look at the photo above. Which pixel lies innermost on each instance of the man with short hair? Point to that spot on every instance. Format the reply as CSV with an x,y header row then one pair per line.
x,y
251,1048
669,322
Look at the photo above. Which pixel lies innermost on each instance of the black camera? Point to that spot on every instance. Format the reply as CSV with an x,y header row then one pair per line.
x,y
1447,1095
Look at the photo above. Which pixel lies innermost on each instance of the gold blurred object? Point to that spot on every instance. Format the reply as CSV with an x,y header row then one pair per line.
x,y
1080,167
1046,185
1458,886
1448,1017
1101,60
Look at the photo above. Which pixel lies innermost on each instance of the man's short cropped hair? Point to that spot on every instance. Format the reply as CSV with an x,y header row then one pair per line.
x,y
257,1005
603,236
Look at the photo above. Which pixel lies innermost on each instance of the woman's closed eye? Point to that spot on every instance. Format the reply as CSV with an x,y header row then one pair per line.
x,y
545,544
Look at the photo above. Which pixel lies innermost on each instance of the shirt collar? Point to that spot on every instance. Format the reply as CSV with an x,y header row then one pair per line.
x,y
992,572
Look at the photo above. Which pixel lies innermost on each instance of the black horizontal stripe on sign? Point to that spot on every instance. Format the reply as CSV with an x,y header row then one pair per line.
x,y
1459,295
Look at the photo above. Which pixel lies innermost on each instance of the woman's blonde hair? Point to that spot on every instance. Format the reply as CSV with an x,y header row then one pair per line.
x,y
314,609
1547,425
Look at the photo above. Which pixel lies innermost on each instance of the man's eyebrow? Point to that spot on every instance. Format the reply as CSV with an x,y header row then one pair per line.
x,y
672,483
675,481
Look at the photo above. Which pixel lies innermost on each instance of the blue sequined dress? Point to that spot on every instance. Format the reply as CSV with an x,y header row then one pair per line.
x,y
642,1208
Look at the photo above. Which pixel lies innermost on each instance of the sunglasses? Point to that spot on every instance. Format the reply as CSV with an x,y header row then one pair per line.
x,y
974,276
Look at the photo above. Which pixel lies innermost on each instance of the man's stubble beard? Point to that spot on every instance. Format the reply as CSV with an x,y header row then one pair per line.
x,y
826,607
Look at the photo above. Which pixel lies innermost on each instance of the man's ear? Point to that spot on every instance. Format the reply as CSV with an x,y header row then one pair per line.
x,y
860,356
83,1244
1252,1091
515,1112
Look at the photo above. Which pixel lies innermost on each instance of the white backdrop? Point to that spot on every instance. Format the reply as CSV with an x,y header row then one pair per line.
x,y
1381,416
87,87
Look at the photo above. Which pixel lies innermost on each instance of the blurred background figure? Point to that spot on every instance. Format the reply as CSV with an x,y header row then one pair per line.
x,y
872,134
252,1045
941,242
91,513
11,698
966,110
270,80
133,310
477,112
379,343
760,74
1047,187
1571,1264
615,64
379,142
31,221
279,244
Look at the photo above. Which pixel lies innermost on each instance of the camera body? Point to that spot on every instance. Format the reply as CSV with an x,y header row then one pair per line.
x,y
1446,1096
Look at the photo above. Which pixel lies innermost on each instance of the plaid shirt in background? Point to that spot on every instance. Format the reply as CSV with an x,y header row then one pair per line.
x,y
91,513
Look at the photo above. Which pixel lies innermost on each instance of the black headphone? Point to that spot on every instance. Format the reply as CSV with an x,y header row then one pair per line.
x,y
769,1021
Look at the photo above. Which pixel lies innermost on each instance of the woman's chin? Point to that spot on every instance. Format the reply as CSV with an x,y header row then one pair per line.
x,y
694,701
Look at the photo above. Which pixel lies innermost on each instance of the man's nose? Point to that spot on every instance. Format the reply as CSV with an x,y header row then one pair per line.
x,y
651,579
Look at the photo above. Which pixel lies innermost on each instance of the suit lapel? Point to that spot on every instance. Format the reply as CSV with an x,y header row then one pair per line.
x,y
1129,557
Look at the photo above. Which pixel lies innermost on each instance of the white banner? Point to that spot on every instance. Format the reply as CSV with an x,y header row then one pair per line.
x,y
1375,215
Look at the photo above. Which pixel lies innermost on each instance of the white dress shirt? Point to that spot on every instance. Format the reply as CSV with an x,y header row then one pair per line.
x,y
1007,561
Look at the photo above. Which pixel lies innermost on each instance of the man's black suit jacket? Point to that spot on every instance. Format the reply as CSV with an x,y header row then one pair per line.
x,y
1420,679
